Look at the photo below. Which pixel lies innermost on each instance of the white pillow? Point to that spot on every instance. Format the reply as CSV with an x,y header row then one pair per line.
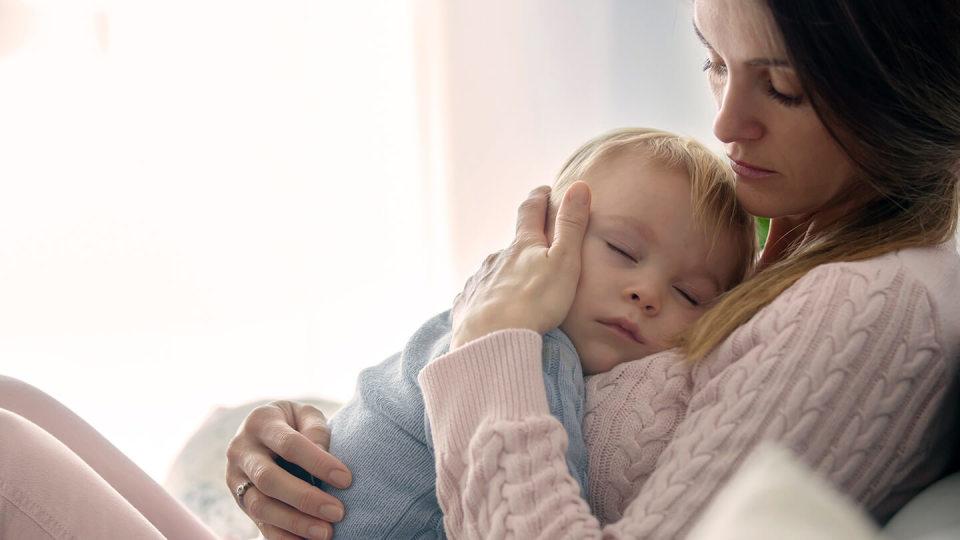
x,y
775,496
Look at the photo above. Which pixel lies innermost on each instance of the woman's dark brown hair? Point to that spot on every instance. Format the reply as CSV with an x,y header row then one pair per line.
x,y
884,77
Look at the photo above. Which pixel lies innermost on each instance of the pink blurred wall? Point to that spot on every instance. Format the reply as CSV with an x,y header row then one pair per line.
x,y
514,87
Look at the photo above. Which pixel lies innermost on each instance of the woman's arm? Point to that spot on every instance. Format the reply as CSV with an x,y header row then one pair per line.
x,y
845,369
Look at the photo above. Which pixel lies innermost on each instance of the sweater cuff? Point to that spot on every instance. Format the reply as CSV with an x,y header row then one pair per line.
x,y
496,377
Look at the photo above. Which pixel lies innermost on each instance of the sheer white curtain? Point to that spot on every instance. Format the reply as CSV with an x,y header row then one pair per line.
x,y
205,202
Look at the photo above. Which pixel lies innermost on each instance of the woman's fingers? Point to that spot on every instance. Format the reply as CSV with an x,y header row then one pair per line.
x,y
273,481
278,434
532,217
296,448
280,519
275,533
277,500
572,218
312,423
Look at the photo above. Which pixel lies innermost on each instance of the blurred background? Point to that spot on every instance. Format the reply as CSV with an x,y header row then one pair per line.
x,y
208,202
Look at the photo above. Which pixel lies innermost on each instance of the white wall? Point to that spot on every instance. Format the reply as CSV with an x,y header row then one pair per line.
x,y
528,82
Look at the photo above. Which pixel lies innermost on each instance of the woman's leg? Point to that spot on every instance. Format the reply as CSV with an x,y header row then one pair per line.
x,y
46,491
170,517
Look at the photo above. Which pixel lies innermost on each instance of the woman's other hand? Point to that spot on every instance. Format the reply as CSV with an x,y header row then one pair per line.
x,y
532,283
282,505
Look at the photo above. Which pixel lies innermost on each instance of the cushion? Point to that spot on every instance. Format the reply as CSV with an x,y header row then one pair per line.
x,y
773,495
933,513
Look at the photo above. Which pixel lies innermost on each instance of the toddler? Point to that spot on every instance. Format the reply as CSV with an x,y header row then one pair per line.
x,y
665,238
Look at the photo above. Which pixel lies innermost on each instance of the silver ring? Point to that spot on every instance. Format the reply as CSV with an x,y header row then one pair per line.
x,y
241,489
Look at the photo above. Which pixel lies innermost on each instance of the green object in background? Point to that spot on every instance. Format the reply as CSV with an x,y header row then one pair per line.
x,y
763,227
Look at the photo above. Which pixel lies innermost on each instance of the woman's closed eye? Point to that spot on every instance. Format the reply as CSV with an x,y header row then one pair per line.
x,y
780,97
719,70
714,68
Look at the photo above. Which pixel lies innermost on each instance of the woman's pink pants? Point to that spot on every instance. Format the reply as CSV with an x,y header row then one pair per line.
x,y
59,478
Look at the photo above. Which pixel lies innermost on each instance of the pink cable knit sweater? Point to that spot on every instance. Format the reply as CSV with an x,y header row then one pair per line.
x,y
853,368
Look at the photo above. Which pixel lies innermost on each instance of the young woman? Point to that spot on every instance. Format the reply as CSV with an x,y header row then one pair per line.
x,y
841,121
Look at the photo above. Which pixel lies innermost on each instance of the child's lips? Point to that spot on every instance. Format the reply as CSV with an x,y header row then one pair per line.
x,y
624,328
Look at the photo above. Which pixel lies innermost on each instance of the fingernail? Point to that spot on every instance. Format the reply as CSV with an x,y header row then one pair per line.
x,y
318,532
339,478
331,512
579,196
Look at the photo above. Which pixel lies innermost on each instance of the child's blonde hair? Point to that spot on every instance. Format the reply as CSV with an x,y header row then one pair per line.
x,y
712,188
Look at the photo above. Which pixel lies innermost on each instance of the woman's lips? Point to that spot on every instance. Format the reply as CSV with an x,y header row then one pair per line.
x,y
746,170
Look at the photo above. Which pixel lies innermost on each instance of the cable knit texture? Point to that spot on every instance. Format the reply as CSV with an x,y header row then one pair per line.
x,y
853,368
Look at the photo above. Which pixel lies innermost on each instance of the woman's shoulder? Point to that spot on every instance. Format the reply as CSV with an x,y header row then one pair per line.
x,y
934,270
920,285
900,303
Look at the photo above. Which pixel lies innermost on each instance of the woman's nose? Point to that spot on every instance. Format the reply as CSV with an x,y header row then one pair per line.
x,y
645,299
736,119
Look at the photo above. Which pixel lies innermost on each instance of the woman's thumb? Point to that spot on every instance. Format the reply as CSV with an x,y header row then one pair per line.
x,y
572,218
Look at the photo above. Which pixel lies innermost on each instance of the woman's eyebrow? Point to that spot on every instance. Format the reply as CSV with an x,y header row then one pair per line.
x,y
700,36
756,62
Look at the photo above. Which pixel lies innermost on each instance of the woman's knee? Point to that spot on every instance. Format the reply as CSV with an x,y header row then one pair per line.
x,y
21,398
25,448
20,437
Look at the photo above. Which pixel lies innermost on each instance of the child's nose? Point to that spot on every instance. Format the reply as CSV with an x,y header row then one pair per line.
x,y
646,300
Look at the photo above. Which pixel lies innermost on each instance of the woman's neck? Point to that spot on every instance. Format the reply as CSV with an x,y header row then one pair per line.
x,y
784,232
788,233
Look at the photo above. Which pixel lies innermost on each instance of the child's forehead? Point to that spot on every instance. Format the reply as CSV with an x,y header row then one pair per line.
x,y
626,177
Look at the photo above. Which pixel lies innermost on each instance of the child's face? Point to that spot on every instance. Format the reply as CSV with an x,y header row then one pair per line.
x,y
647,271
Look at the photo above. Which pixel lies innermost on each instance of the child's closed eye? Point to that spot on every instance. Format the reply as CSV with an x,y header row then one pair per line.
x,y
621,252
689,297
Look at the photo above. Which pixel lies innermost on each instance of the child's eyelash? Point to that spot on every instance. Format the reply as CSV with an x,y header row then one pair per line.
x,y
693,301
621,252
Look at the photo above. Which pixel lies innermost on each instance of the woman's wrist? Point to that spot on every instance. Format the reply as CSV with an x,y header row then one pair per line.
x,y
532,283
469,331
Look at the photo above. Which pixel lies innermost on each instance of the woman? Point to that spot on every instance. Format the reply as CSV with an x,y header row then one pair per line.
x,y
842,123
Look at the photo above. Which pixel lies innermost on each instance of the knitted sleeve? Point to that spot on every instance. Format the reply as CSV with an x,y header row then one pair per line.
x,y
844,368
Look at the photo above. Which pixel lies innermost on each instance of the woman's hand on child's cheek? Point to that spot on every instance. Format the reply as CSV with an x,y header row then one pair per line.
x,y
532,283
278,502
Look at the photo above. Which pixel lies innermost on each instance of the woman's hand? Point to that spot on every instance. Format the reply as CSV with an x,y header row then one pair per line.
x,y
532,283
282,505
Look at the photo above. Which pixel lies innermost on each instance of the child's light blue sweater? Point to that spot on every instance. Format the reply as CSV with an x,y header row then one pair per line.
x,y
383,437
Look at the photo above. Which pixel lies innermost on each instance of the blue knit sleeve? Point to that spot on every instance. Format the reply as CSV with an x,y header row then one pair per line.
x,y
380,435
383,436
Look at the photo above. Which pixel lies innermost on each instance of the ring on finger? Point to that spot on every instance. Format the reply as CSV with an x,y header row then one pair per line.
x,y
241,490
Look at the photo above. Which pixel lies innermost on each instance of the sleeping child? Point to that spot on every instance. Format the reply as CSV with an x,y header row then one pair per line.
x,y
665,238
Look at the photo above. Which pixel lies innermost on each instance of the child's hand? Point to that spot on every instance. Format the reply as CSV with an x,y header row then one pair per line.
x,y
530,284
276,500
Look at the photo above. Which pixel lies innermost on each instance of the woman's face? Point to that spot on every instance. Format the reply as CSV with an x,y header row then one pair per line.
x,y
787,164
